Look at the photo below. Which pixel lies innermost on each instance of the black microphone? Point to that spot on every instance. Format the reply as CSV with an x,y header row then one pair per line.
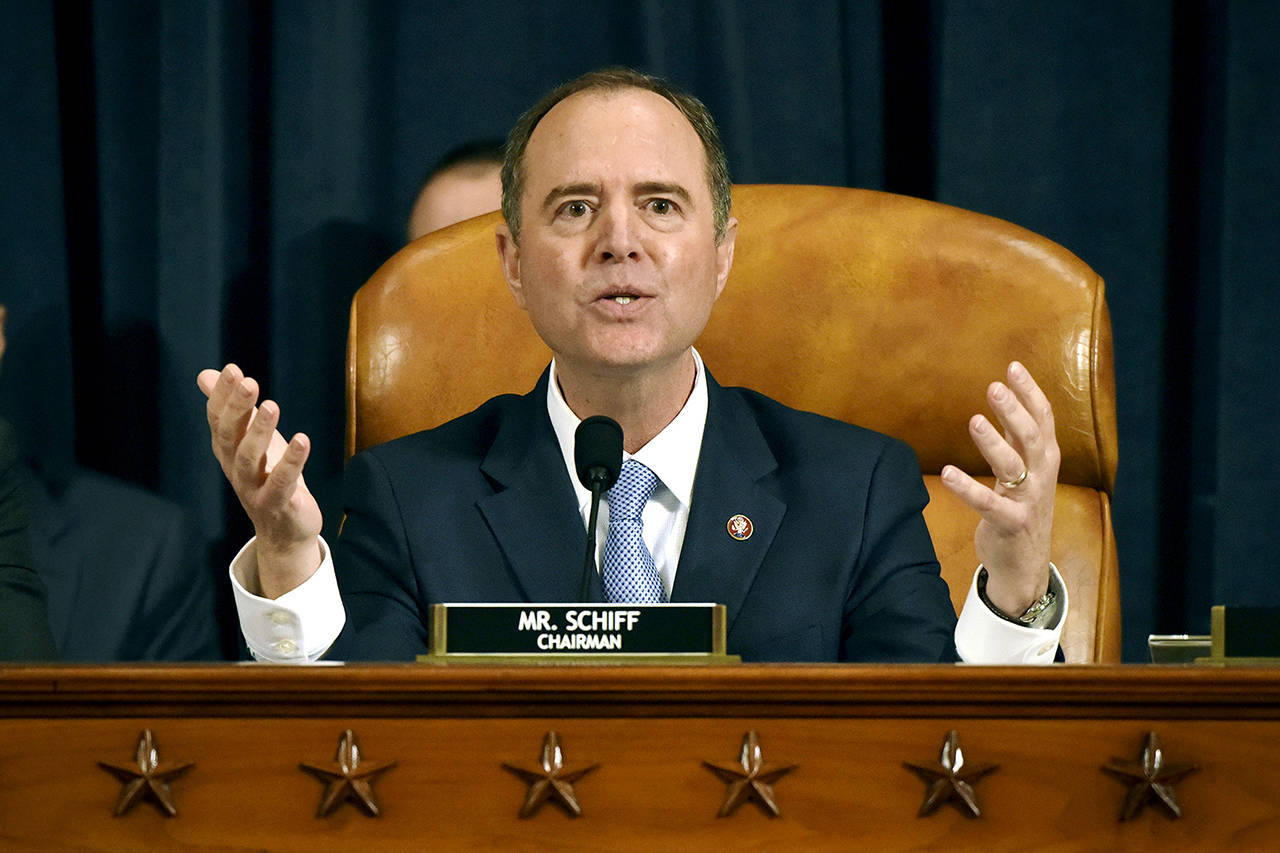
x,y
597,454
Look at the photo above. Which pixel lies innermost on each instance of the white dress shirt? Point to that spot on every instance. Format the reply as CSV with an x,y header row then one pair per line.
x,y
671,454
299,626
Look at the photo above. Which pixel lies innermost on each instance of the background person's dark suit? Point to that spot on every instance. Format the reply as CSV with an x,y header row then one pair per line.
x,y
127,578
839,566
24,626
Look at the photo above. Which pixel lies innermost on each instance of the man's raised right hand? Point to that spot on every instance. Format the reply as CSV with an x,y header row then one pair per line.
x,y
266,474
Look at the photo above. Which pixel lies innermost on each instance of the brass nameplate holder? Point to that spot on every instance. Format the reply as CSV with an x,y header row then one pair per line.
x,y
590,633
1243,636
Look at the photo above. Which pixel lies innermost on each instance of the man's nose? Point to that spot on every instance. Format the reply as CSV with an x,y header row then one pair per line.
x,y
617,238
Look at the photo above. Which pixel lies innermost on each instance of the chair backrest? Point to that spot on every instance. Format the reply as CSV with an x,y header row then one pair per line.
x,y
878,309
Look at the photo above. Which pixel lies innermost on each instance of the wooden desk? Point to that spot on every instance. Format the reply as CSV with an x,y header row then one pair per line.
x,y
847,729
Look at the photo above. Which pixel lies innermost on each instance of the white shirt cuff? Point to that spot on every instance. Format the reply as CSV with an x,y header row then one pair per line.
x,y
984,637
297,627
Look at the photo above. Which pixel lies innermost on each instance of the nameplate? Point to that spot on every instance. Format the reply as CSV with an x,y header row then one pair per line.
x,y
577,630
1241,634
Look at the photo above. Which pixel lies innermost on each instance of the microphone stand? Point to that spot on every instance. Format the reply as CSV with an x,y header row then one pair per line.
x,y
598,477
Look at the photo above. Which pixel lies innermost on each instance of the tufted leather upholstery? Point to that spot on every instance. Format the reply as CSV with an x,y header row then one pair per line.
x,y
877,309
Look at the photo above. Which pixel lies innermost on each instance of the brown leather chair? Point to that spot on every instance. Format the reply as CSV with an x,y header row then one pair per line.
x,y
877,309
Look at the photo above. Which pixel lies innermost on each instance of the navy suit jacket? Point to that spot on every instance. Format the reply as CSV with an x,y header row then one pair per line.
x,y
839,565
127,577
24,620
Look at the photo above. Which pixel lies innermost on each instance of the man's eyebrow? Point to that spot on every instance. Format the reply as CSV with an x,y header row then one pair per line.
x,y
664,188
593,189
584,188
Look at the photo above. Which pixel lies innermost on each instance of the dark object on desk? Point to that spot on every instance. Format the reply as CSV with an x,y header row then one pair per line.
x,y
1245,632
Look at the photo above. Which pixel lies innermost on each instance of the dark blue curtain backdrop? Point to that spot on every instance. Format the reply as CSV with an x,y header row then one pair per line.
x,y
187,183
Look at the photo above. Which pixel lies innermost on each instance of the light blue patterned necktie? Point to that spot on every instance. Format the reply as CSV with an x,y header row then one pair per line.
x,y
627,569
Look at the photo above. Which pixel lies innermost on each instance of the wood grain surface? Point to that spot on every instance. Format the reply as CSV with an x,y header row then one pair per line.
x,y
848,730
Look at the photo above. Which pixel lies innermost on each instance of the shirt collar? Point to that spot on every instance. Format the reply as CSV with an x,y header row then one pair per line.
x,y
671,454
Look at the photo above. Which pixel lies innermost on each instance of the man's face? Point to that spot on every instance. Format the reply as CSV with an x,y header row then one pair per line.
x,y
454,195
617,265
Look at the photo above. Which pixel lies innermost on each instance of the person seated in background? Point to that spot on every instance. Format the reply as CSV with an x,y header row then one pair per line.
x,y
24,620
617,241
24,616
464,183
124,575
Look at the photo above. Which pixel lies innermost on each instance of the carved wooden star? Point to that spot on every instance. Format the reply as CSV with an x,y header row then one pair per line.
x,y
1150,779
144,779
952,781
750,779
552,783
349,778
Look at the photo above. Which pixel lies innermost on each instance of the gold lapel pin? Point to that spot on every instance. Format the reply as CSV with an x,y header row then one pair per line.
x,y
739,527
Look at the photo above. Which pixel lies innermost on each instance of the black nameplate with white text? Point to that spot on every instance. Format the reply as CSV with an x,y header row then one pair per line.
x,y
516,630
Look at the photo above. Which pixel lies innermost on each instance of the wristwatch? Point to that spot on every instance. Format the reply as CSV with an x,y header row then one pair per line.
x,y
1029,616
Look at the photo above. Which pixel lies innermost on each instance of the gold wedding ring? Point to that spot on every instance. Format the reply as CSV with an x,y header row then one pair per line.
x,y
1013,484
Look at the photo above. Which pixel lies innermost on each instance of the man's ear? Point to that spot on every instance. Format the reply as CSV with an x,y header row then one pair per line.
x,y
724,254
509,255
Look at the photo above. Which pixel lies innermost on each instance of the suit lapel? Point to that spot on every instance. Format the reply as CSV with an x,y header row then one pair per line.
x,y
533,513
734,459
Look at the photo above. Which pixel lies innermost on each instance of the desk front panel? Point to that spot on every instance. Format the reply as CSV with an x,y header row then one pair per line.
x,y
648,731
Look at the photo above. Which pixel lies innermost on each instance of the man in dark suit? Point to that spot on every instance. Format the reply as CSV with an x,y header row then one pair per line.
x,y
511,530
115,572
24,619
617,242
126,575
